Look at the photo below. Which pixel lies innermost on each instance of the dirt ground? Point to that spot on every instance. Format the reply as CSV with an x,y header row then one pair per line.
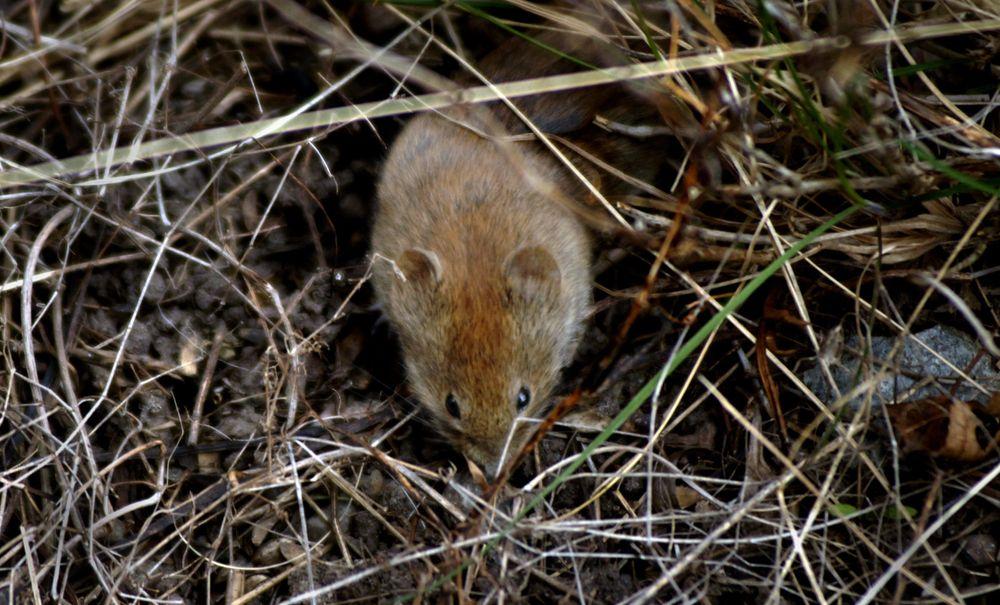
x,y
201,399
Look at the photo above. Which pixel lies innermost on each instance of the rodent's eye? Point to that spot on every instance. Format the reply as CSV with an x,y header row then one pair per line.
x,y
451,404
523,398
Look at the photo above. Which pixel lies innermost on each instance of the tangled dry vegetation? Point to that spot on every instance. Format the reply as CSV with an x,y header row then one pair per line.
x,y
199,401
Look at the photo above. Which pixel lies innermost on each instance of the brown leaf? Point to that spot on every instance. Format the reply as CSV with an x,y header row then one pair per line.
x,y
686,497
943,428
587,419
477,475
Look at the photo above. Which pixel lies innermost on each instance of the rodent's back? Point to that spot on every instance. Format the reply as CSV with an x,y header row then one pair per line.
x,y
448,189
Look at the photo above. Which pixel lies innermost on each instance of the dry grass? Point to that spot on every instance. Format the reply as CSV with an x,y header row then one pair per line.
x,y
198,400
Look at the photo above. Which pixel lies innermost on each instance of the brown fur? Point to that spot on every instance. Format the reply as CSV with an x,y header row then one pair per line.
x,y
487,277
491,279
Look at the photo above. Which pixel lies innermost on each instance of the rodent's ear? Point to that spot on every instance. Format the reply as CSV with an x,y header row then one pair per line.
x,y
532,267
420,266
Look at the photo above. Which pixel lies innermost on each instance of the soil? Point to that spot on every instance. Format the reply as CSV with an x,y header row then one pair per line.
x,y
307,431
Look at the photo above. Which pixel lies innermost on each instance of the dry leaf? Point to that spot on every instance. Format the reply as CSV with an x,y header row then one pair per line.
x,y
191,353
686,497
943,428
587,419
262,528
290,550
477,475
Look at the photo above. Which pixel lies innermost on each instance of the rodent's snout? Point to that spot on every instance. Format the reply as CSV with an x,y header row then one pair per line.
x,y
486,458
489,456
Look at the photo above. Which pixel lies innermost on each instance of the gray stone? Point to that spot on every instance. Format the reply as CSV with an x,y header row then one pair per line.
x,y
914,366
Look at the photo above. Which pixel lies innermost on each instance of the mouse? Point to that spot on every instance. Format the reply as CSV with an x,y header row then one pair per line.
x,y
484,274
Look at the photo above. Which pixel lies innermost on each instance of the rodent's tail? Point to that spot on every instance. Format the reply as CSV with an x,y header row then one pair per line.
x,y
549,54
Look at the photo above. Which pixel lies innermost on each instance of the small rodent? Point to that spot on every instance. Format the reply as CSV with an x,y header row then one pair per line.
x,y
483,275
